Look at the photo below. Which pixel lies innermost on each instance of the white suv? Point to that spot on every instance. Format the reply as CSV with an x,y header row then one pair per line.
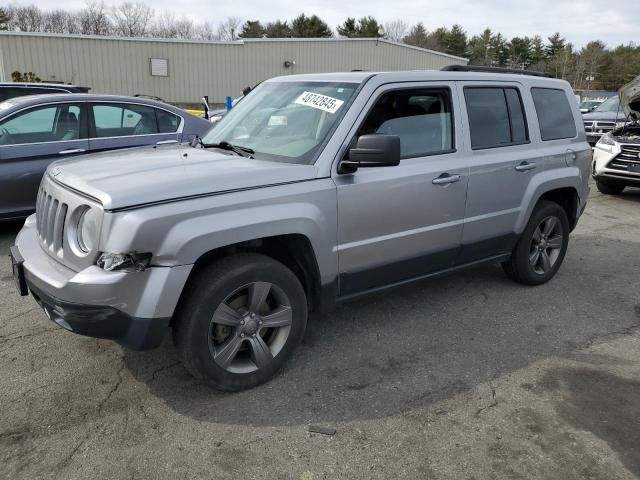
x,y
616,157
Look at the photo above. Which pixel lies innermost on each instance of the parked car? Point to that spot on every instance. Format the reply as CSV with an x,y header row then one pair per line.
x,y
603,119
10,90
616,157
589,105
38,129
315,189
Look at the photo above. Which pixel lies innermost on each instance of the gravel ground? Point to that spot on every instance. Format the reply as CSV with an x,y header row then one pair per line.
x,y
465,377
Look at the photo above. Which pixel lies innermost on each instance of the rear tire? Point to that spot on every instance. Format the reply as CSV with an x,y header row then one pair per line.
x,y
609,188
240,321
542,246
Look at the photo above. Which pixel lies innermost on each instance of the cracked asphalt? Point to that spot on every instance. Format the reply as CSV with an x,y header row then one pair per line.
x,y
465,377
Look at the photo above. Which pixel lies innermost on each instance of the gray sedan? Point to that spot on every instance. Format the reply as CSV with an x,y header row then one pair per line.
x,y
39,129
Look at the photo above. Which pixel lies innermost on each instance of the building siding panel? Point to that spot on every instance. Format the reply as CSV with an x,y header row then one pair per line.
x,y
121,66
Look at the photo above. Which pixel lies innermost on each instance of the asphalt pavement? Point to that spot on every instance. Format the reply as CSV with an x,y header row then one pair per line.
x,y
470,376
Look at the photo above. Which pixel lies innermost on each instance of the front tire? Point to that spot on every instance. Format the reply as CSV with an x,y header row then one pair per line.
x,y
542,246
240,321
609,188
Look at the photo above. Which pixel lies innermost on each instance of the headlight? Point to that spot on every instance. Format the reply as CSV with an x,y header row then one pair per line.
x,y
130,262
620,124
88,229
606,139
606,143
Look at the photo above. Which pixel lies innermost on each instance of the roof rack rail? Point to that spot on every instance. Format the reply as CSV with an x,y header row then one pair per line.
x,y
480,68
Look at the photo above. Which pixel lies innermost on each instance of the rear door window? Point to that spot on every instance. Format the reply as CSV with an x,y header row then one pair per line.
x,y
496,117
554,113
167,121
122,119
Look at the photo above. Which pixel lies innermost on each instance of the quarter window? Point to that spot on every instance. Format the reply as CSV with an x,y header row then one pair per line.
x,y
496,117
51,123
118,120
421,118
554,113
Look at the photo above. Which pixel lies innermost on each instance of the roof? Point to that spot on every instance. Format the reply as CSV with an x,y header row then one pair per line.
x,y
28,100
416,76
232,43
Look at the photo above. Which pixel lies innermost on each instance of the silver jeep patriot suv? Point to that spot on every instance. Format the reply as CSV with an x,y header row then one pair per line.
x,y
315,189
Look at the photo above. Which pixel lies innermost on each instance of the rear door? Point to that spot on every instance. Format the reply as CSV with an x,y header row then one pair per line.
x,y
502,163
121,124
29,141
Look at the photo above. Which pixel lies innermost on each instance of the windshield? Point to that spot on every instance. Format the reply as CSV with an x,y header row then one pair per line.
x,y
611,105
589,104
284,121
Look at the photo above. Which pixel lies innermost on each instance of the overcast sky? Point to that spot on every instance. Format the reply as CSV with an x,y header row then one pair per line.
x,y
580,21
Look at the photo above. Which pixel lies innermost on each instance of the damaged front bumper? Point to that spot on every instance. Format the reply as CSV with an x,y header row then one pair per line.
x,y
132,308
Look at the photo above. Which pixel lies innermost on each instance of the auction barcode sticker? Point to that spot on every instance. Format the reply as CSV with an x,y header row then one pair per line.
x,y
321,102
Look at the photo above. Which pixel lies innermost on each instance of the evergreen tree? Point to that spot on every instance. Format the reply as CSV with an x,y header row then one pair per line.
x,y
310,27
417,36
277,29
456,41
366,27
252,29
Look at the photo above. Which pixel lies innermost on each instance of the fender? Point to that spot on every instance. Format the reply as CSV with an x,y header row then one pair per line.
x,y
180,233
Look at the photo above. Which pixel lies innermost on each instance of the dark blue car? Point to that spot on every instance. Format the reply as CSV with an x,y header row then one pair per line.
x,y
39,129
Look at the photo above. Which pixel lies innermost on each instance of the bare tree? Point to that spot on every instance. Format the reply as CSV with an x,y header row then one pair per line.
x,y
132,19
56,21
205,32
229,29
164,26
396,30
94,19
26,19
185,28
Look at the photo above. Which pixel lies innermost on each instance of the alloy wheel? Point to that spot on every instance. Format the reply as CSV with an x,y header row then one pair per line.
x,y
546,245
250,327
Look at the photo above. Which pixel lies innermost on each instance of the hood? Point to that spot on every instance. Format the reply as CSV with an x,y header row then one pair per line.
x,y
125,178
630,98
604,116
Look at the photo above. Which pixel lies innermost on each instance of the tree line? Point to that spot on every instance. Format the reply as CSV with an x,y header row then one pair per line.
x,y
594,66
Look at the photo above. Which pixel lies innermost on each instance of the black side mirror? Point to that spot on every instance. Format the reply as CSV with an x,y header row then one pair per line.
x,y
372,151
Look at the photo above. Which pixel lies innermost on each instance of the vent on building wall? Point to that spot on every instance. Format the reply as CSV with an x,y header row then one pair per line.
x,y
159,67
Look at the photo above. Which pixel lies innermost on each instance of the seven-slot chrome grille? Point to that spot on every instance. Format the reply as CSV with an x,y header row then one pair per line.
x,y
57,211
51,214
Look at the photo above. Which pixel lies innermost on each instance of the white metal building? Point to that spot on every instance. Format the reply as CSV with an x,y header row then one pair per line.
x,y
182,71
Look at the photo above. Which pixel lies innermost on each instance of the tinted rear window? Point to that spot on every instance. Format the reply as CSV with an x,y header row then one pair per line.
x,y
496,117
554,113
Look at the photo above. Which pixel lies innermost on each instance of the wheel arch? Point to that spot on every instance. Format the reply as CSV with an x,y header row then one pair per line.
x,y
293,250
562,190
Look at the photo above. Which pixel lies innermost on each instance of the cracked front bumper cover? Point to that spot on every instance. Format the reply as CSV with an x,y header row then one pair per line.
x,y
103,322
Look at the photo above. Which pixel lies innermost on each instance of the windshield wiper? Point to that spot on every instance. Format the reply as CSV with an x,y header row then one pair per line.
x,y
237,149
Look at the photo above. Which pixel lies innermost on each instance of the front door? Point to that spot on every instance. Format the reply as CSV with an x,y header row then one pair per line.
x,y
29,141
400,223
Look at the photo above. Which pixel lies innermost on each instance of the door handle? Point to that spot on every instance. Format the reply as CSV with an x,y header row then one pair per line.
x,y
71,151
445,178
524,166
166,142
